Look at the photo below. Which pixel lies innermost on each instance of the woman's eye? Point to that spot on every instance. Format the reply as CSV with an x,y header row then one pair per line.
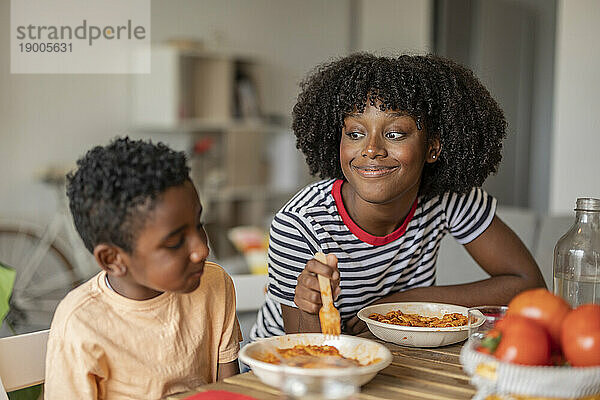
x,y
394,135
354,135
176,245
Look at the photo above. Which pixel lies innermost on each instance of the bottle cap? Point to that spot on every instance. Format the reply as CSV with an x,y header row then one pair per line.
x,y
587,204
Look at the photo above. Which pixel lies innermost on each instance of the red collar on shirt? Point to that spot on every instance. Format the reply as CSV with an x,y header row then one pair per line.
x,y
366,237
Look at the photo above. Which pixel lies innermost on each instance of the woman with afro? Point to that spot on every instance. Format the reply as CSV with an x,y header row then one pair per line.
x,y
403,145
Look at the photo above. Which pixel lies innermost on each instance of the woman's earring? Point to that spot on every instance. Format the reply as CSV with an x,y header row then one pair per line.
x,y
433,156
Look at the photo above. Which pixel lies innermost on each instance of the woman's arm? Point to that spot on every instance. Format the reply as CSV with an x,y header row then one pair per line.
x,y
307,296
226,370
500,252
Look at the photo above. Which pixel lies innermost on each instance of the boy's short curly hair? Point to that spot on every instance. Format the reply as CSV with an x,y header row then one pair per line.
x,y
115,186
451,102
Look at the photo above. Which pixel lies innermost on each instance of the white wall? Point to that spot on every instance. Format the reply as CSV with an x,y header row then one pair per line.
x,y
49,119
54,119
291,36
575,150
393,26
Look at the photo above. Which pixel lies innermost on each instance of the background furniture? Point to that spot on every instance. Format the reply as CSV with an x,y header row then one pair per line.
x,y
23,360
209,104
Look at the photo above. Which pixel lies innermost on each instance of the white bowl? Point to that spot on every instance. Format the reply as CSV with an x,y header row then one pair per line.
x,y
363,350
413,335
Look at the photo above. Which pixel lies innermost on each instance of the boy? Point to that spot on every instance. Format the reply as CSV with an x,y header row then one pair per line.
x,y
159,319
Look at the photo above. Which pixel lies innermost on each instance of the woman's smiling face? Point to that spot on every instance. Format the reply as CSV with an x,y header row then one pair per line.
x,y
382,154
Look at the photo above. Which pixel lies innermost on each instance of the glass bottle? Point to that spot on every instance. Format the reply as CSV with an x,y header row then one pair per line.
x,y
577,256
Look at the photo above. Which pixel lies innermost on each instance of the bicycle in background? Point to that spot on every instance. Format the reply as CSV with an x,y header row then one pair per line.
x,y
49,261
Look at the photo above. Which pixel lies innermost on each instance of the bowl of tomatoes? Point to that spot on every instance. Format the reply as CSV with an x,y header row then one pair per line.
x,y
541,348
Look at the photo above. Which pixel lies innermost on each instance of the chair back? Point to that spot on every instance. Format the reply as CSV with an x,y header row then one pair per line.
x,y
455,265
23,360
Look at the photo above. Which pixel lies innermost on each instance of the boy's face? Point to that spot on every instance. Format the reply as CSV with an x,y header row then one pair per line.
x,y
382,154
171,248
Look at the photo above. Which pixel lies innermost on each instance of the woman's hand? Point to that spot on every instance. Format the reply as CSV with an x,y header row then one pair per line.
x,y
308,294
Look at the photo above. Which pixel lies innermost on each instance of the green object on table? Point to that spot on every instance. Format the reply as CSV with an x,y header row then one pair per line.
x,y
30,393
7,281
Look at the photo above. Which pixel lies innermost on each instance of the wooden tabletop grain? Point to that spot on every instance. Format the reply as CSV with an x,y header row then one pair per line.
x,y
415,373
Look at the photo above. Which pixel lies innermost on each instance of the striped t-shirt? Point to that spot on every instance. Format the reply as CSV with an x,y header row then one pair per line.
x,y
371,267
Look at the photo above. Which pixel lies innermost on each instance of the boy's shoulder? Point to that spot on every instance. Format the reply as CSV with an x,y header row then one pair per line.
x,y
83,298
213,274
216,291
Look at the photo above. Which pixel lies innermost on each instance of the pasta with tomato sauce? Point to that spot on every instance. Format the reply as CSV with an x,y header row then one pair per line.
x,y
399,318
311,356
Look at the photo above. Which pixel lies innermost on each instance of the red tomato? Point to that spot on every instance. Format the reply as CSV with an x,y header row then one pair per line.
x,y
580,336
523,341
544,307
511,319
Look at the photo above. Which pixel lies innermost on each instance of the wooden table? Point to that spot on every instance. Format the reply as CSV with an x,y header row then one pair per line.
x,y
415,373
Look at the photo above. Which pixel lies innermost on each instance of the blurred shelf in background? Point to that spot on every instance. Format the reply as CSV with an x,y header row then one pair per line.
x,y
244,164
186,85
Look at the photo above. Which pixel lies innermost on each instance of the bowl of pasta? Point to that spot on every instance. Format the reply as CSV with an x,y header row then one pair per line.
x,y
417,324
301,362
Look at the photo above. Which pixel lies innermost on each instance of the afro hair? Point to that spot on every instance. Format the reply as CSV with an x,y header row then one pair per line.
x,y
116,185
451,102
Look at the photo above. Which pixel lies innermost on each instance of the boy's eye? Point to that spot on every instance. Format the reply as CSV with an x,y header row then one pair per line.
x,y
354,135
394,135
177,245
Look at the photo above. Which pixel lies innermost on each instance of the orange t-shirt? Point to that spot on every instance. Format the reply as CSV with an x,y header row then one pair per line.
x,y
105,346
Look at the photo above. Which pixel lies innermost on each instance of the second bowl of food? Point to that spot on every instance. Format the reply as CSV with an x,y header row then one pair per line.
x,y
417,324
315,359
